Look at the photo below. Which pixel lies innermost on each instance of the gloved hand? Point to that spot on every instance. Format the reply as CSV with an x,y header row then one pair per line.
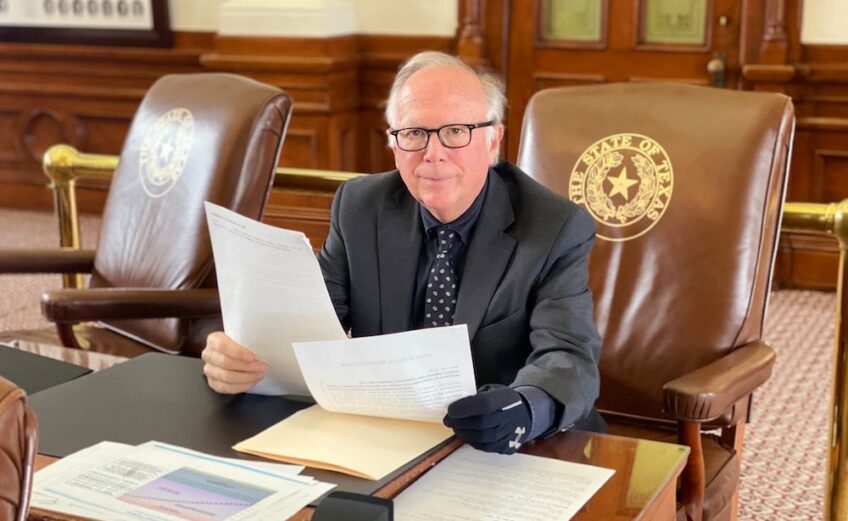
x,y
494,420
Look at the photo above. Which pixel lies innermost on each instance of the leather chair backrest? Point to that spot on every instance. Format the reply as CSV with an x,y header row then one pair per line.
x,y
18,445
686,185
196,137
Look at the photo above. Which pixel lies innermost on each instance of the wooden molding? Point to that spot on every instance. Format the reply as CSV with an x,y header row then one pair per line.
x,y
550,80
823,72
768,73
87,95
806,261
823,124
824,54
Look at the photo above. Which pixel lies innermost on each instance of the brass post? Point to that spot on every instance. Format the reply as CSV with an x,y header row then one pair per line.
x,y
56,165
836,487
836,491
832,219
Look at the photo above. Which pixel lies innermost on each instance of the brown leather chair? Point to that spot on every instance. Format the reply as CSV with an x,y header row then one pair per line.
x,y
18,444
198,137
686,185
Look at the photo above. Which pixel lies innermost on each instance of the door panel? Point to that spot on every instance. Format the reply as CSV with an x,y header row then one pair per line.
x,y
581,42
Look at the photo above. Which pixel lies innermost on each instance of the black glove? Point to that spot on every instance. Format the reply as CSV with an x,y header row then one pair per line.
x,y
494,420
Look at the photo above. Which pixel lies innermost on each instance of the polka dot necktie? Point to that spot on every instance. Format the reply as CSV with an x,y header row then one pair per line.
x,y
442,283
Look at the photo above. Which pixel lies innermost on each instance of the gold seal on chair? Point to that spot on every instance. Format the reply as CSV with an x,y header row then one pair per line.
x,y
165,150
625,182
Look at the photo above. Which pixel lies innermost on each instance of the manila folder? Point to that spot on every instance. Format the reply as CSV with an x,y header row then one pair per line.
x,y
363,446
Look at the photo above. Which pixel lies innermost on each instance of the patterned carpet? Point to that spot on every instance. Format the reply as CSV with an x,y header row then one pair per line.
x,y
785,452
20,294
785,446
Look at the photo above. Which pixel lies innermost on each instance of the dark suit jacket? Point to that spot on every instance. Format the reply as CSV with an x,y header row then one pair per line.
x,y
523,295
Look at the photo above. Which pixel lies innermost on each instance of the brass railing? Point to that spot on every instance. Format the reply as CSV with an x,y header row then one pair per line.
x,y
64,165
832,219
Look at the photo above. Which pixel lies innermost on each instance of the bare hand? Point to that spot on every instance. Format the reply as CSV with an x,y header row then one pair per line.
x,y
230,368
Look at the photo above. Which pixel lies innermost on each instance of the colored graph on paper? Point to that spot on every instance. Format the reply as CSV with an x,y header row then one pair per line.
x,y
196,496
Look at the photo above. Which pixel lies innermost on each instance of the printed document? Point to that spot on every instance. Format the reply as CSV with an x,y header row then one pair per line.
x,y
379,384
272,294
160,482
413,375
472,485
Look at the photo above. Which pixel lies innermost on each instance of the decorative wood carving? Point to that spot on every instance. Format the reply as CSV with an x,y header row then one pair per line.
x,y
470,44
775,43
43,128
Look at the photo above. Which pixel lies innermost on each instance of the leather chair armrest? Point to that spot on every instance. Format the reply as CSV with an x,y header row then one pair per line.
x,y
66,260
79,305
704,394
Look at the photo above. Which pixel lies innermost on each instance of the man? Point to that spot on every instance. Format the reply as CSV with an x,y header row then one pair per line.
x,y
449,239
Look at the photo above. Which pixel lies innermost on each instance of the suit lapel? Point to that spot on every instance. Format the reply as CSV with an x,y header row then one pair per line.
x,y
399,245
486,258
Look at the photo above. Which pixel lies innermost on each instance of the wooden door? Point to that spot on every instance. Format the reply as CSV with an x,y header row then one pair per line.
x,y
580,42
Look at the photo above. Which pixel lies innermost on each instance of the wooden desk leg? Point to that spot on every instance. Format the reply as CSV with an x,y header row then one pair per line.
x,y
694,481
734,436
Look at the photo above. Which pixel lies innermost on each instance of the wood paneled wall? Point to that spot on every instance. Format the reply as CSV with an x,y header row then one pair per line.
x,y
87,95
771,58
816,77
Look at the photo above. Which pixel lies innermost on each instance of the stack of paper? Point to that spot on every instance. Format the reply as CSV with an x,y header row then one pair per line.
x,y
472,485
160,482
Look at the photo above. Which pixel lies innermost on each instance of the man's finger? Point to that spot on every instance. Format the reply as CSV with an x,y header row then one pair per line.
x,y
224,361
220,342
499,447
225,388
483,403
499,434
486,421
231,377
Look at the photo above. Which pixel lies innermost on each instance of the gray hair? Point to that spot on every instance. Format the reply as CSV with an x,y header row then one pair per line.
x,y
492,86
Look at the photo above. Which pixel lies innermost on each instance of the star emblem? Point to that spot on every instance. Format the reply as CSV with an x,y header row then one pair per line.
x,y
621,184
165,150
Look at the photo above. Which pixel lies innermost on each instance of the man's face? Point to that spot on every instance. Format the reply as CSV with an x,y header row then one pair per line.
x,y
445,180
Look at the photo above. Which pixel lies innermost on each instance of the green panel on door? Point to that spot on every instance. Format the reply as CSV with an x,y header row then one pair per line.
x,y
675,22
572,20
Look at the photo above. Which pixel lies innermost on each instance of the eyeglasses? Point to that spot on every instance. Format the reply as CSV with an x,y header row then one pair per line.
x,y
455,135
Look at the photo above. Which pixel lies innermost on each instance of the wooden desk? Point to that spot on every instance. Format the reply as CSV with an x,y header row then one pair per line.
x,y
642,488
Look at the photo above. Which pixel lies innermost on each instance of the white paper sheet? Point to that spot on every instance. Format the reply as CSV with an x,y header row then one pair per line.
x,y
472,485
413,375
272,294
160,482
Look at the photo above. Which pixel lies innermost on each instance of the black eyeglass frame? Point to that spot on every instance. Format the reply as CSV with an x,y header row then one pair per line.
x,y
471,127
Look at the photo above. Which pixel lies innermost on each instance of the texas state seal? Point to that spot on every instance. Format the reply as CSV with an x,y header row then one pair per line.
x,y
164,151
625,181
